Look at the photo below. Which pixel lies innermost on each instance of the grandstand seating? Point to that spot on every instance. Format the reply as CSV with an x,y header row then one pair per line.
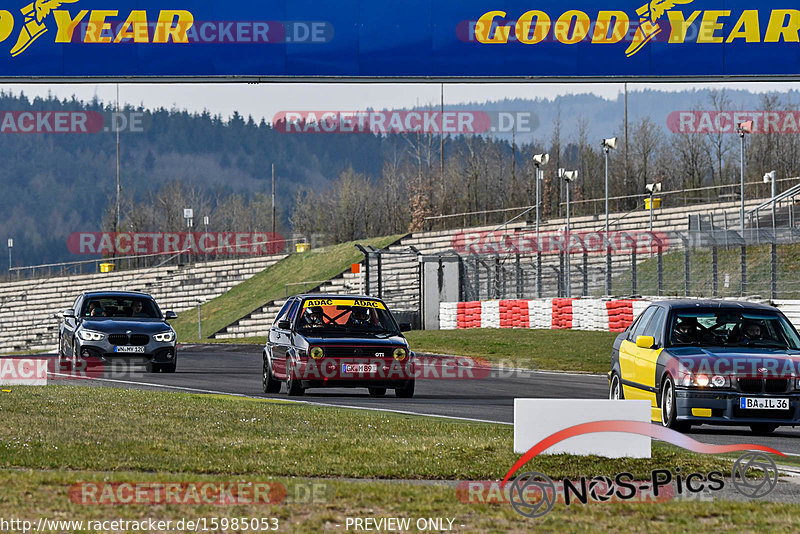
x,y
30,310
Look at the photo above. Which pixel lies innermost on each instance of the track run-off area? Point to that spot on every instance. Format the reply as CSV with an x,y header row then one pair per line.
x,y
489,397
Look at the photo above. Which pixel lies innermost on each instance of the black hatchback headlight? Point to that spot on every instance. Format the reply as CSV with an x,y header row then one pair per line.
x,y
165,337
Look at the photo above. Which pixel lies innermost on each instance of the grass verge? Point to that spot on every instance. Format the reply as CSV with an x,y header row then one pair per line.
x,y
270,284
111,429
58,436
31,494
561,350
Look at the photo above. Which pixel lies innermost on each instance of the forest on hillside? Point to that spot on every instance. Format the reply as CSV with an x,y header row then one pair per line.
x,y
343,186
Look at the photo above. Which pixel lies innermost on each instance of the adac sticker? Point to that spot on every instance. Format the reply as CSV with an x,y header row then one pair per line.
x,y
363,303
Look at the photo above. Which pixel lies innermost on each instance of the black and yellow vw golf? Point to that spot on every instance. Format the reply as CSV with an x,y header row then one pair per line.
x,y
710,362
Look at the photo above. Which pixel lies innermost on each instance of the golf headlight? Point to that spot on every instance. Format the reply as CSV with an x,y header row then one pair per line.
x,y
316,353
400,354
164,337
90,335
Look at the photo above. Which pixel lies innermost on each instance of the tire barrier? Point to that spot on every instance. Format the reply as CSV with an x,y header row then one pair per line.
x,y
562,314
620,314
514,314
559,314
610,315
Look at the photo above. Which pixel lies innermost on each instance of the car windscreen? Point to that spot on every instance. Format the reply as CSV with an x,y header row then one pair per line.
x,y
345,316
120,308
731,328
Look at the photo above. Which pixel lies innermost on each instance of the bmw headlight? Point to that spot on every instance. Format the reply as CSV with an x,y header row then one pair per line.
x,y
400,354
165,337
704,381
90,335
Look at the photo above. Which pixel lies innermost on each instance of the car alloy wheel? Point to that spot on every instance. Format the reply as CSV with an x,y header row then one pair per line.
x,y
615,389
270,384
293,386
668,407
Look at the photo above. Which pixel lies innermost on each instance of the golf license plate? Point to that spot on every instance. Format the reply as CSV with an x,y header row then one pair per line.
x,y
129,349
757,403
359,368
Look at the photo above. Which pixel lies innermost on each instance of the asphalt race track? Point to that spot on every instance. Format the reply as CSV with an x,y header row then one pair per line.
x,y
236,369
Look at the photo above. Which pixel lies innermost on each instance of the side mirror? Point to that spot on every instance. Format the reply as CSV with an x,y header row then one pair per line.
x,y
405,327
170,315
645,342
284,325
69,314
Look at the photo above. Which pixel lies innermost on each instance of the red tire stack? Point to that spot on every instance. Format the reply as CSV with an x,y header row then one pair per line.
x,y
473,313
461,319
620,314
514,314
562,314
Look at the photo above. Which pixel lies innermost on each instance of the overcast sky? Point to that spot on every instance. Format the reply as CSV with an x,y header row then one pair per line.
x,y
267,99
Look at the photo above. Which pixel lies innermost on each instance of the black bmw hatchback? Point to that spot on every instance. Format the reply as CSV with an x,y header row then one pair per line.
x,y
338,341
113,326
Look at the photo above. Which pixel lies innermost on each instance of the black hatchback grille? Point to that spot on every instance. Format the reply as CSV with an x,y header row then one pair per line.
x,y
357,352
136,340
763,385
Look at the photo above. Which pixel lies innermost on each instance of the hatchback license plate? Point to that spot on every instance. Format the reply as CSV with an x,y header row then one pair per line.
x,y
359,368
129,349
757,403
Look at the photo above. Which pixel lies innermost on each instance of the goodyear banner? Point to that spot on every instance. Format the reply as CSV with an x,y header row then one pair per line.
x,y
391,39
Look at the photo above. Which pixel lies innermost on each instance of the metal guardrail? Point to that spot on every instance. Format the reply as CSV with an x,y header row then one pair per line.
x,y
64,267
593,200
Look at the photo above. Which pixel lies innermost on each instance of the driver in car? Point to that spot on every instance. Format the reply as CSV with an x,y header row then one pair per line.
x,y
687,330
751,331
313,317
359,317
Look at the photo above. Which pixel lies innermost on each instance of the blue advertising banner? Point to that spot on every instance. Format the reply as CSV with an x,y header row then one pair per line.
x,y
465,39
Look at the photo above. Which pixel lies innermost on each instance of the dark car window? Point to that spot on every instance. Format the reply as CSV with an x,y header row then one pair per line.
x,y
119,307
732,327
655,327
641,324
282,314
293,311
345,316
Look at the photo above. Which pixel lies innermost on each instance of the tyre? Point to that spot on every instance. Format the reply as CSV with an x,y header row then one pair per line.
x,y
269,382
615,388
169,367
377,392
668,407
293,386
763,428
407,391
151,367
